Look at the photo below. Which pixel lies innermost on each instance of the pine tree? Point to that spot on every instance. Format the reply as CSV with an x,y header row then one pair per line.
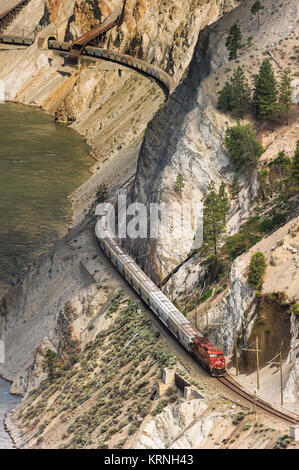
x,y
265,92
225,98
214,213
241,93
179,184
235,187
285,92
234,41
236,95
255,10
224,200
257,269
243,147
295,167
50,363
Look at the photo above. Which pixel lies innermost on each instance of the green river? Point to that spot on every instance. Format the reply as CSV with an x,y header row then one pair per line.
x,y
41,163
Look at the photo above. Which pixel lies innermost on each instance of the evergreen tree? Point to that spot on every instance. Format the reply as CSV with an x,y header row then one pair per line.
x,y
241,93
179,184
214,213
285,92
225,98
236,95
235,187
243,147
224,200
50,364
295,169
265,92
255,10
257,269
234,41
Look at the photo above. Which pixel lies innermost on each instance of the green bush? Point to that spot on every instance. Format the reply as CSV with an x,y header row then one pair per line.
x,y
238,418
248,236
283,441
161,405
269,224
243,147
206,295
132,429
295,309
257,269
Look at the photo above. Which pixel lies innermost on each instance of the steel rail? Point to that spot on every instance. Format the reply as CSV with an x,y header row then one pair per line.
x,y
137,64
10,10
229,383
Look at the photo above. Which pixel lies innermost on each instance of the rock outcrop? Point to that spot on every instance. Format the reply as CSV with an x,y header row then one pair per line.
x,y
183,426
187,135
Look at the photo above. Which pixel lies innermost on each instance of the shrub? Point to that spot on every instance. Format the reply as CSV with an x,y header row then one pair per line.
x,y
170,391
283,441
102,192
245,239
238,418
269,224
257,269
161,405
132,429
206,295
243,147
295,309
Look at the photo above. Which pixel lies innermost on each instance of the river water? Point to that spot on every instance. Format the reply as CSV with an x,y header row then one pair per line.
x,y
7,402
41,163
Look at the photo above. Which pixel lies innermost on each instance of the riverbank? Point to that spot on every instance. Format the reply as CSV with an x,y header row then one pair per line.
x,y
7,404
13,430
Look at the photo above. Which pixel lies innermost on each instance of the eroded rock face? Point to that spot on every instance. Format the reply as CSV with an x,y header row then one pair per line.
x,y
177,427
163,33
187,135
238,306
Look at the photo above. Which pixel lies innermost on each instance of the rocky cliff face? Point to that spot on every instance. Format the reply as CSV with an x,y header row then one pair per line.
x,y
162,33
186,136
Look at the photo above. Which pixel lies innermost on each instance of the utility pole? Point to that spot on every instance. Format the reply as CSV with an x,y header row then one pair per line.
x,y
172,286
207,323
281,381
257,351
160,275
281,376
257,363
221,335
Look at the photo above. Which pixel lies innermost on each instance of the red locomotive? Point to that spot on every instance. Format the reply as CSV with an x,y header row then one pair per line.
x,y
209,356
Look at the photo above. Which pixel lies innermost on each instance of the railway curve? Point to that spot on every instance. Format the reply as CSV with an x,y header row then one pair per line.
x,y
230,383
167,81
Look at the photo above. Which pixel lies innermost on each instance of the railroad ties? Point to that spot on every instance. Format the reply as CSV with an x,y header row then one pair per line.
x,y
257,402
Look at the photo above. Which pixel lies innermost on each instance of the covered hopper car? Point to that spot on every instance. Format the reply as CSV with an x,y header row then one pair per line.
x,y
205,353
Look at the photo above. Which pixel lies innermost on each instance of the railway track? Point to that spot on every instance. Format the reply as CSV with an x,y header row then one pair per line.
x,y
166,80
230,383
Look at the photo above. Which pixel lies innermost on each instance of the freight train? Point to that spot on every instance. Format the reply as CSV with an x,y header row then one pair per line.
x,y
208,355
96,52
